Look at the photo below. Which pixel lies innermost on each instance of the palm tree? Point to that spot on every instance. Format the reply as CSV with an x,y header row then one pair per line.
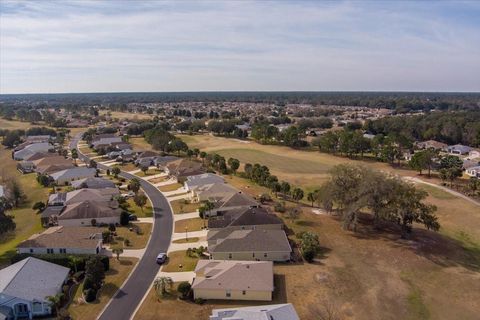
x,y
74,155
117,251
55,301
74,260
207,206
162,285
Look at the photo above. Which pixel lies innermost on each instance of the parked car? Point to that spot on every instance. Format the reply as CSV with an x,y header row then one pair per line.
x,y
161,258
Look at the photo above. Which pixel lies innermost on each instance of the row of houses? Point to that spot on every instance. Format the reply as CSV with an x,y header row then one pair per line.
x,y
244,240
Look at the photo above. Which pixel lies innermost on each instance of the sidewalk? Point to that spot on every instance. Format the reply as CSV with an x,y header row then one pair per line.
x,y
180,190
158,175
191,234
185,246
185,216
165,183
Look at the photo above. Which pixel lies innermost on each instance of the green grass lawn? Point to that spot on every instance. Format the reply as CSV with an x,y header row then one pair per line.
x,y
189,240
137,241
177,258
26,219
136,210
183,206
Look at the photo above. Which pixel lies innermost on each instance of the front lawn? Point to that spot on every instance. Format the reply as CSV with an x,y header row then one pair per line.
x,y
136,240
26,219
189,240
177,258
136,210
184,206
114,278
170,187
195,224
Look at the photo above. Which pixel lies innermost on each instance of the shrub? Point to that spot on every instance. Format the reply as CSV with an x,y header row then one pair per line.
x,y
279,207
126,242
112,227
124,218
184,288
199,301
90,295
88,283
308,254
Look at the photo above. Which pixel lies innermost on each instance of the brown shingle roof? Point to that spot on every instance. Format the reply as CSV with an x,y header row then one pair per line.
x,y
227,240
88,210
64,237
243,217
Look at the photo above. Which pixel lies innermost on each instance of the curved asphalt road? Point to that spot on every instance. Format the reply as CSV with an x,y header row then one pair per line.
x,y
127,299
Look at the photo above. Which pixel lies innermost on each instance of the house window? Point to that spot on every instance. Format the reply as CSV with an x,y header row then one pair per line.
x,y
229,256
49,250
63,250
265,255
253,255
228,294
31,250
244,292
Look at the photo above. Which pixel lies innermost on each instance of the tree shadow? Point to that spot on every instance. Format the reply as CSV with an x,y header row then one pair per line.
x,y
438,248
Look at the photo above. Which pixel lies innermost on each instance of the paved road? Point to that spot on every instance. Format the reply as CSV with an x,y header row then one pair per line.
x,y
125,302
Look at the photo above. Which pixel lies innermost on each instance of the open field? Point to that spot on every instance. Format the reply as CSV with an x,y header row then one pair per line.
x,y
195,224
137,241
177,258
182,206
308,169
126,115
114,278
139,143
18,125
27,220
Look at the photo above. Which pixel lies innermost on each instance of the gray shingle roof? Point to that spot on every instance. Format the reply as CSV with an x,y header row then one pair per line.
x,y
32,279
65,237
93,183
74,173
226,240
284,311
243,217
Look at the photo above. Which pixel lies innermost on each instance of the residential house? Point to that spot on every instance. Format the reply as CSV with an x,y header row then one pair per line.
x,y
213,192
84,213
256,244
49,215
245,218
25,286
31,140
458,149
80,195
105,142
431,144
66,176
233,280
40,155
182,168
284,311
233,201
93,183
193,182
473,171
162,161
60,239
31,149
146,158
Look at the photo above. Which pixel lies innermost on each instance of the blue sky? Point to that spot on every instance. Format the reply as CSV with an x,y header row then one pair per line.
x,y
94,46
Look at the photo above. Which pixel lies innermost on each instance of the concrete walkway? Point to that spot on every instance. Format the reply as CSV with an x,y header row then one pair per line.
x,y
182,196
185,216
178,276
134,171
96,157
185,246
191,234
452,192
158,175
129,253
107,162
145,220
180,190
165,183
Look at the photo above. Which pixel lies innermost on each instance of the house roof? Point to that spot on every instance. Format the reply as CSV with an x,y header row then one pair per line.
x,y
40,155
51,168
227,240
234,275
284,311
203,179
33,148
93,183
238,199
243,217
46,161
52,211
89,210
74,173
64,237
147,154
215,191
32,279
184,167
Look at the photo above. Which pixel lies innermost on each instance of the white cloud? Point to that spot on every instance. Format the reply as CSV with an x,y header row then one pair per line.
x,y
162,46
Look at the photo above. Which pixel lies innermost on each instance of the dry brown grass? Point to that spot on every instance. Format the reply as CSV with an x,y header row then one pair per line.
x,y
195,224
170,187
114,278
183,206
137,240
177,258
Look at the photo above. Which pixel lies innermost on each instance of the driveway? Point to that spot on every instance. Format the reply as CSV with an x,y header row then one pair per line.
x,y
124,303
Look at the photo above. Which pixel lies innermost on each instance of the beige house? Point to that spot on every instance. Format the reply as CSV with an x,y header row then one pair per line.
x,y
233,280
69,240
253,245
